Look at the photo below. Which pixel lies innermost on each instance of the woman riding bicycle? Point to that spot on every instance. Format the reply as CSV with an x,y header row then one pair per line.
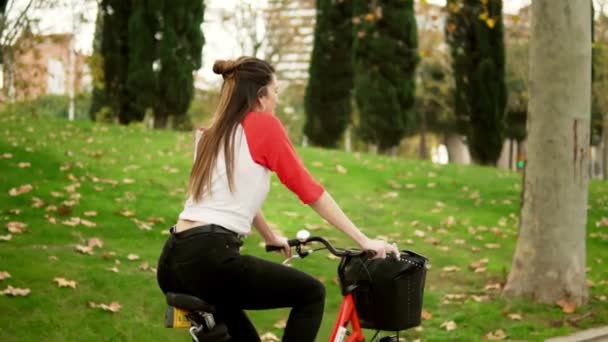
x,y
229,181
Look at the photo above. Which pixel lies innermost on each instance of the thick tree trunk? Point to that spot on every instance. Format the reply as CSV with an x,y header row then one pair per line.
x,y
161,117
504,161
458,152
549,261
423,150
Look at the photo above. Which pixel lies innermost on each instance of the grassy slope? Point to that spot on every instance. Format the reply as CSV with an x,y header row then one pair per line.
x,y
158,163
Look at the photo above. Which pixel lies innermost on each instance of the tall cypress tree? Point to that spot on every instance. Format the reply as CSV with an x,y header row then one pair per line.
x,y
328,93
144,38
180,55
98,98
115,52
385,62
474,31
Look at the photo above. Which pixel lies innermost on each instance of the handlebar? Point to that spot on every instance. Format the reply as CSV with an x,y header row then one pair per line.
x,y
339,252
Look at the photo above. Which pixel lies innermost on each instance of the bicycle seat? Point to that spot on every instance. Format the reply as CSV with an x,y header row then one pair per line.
x,y
188,302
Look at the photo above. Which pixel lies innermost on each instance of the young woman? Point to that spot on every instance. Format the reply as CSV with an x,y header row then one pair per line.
x,y
229,181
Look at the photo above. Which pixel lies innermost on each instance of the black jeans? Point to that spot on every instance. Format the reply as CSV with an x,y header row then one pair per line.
x,y
209,266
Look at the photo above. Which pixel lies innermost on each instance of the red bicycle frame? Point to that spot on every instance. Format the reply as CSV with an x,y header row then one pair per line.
x,y
348,313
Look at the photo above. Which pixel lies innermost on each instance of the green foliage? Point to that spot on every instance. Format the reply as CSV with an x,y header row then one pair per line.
x,y
474,31
385,63
328,94
55,106
517,86
599,104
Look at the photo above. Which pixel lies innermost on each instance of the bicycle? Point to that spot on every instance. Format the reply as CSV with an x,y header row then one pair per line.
x,y
185,310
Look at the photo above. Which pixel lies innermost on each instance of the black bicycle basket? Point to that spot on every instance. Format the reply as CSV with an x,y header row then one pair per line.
x,y
387,292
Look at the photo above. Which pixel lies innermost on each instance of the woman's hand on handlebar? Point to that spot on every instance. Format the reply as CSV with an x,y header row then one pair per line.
x,y
381,248
280,241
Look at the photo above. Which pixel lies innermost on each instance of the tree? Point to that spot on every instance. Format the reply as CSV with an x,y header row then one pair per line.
x,y
599,112
386,56
95,62
549,260
328,93
115,52
474,31
179,55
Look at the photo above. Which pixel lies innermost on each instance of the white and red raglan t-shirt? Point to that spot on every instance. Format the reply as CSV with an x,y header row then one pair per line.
x,y
261,146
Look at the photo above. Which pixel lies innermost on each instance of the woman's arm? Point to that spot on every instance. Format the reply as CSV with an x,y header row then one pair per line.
x,y
270,238
327,208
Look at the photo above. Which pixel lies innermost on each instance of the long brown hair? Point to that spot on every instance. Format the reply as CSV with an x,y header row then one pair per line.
x,y
245,79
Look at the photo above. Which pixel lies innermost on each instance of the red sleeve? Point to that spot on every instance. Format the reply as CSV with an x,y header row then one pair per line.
x,y
270,147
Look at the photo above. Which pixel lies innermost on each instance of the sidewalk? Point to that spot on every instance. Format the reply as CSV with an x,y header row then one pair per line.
x,y
591,335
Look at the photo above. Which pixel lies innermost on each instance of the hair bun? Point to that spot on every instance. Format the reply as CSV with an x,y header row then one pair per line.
x,y
224,67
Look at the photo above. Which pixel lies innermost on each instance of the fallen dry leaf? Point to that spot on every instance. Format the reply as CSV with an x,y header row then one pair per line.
x,y
113,307
4,275
390,194
62,282
90,213
496,335
341,169
280,324
14,291
567,306
515,316
449,325
23,165
16,227
451,269
269,337
113,269
20,190
95,242
6,237
84,249
142,225
127,212
144,266
133,257
426,315
37,202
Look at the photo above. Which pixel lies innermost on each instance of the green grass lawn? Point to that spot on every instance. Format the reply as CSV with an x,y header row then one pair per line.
x,y
133,179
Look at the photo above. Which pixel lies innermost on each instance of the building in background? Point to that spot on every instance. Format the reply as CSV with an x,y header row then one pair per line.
x,y
41,65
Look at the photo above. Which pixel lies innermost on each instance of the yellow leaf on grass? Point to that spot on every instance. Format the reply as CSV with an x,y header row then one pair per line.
x,y
269,337
127,213
426,315
496,335
280,324
449,325
112,307
6,237
4,275
62,282
90,213
84,249
341,169
24,165
113,269
14,291
133,257
16,227
567,306
514,316
20,190
451,269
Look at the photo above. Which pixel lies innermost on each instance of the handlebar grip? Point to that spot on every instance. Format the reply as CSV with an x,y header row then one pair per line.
x,y
291,243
